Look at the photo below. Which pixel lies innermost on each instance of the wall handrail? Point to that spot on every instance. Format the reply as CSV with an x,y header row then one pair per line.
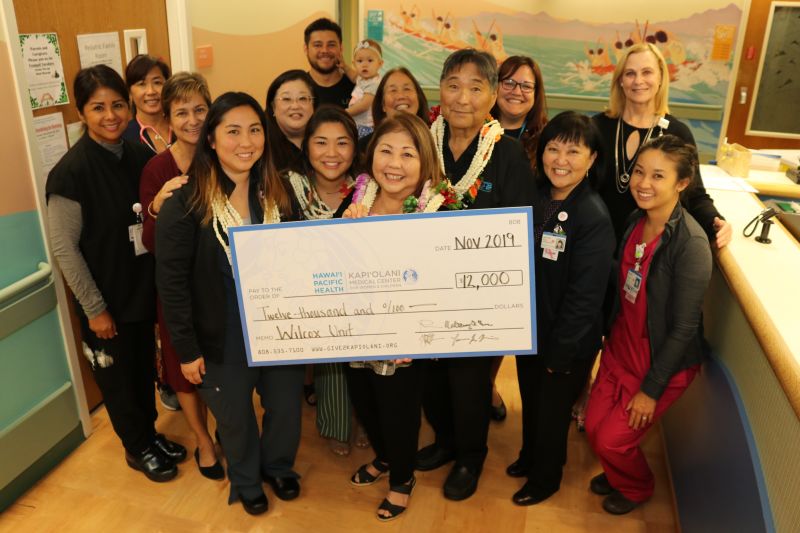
x,y
13,290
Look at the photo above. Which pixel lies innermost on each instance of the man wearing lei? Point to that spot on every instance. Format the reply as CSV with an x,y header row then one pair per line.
x,y
485,170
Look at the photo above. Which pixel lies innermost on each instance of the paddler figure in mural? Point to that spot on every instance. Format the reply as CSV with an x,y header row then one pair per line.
x,y
492,42
599,60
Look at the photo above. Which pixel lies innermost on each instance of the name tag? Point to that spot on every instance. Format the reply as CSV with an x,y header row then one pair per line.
x,y
554,241
549,253
633,282
135,236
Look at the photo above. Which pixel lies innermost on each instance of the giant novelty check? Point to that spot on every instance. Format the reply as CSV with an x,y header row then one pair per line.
x,y
448,284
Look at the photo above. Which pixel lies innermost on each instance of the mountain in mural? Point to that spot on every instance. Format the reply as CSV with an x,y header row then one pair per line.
x,y
543,25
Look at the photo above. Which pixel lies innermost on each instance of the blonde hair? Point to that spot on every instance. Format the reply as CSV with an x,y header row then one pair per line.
x,y
616,100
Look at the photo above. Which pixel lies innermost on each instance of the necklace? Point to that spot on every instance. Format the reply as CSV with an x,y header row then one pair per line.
x,y
490,133
622,180
224,216
311,204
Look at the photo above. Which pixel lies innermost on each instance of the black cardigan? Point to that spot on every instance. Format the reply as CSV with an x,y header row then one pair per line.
x,y
189,279
620,205
676,285
570,290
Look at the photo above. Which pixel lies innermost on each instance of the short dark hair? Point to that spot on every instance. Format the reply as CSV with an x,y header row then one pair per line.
x,y
420,133
325,114
140,65
683,154
322,24
484,61
90,79
378,114
570,126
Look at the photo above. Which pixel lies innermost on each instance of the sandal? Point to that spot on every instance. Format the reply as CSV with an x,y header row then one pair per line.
x,y
362,477
396,510
310,393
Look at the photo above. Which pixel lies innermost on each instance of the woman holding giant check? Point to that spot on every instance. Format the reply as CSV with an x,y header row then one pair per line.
x,y
195,282
486,170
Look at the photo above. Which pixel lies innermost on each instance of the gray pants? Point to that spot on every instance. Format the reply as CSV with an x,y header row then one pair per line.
x,y
227,389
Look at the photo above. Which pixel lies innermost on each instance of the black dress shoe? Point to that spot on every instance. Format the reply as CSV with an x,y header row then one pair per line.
x,y
499,412
616,503
517,469
461,483
215,471
432,457
529,495
257,505
174,451
600,485
154,464
286,488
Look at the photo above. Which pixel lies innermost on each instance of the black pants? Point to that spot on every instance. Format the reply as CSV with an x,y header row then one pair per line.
x,y
547,401
457,400
124,369
227,389
389,408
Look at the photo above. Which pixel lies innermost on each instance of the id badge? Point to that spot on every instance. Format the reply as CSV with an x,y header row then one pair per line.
x,y
549,253
135,236
633,282
554,241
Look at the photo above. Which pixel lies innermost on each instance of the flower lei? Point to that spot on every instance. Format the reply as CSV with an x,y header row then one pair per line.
x,y
224,216
465,191
310,203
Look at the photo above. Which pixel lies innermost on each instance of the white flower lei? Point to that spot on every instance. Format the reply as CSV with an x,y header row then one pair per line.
x,y
316,209
370,193
489,134
224,216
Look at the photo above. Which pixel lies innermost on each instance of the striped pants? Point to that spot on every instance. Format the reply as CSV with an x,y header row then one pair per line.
x,y
334,411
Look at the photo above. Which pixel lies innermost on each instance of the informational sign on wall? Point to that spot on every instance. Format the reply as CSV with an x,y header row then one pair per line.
x,y
100,49
41,55
51,138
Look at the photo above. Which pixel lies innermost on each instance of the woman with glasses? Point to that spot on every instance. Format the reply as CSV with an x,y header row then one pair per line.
x,y
521,109
521,106
290,103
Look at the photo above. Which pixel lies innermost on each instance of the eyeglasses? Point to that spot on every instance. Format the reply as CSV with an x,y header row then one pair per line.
x,y
524,86
288,100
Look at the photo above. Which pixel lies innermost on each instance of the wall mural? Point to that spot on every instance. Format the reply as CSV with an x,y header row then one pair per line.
x,y
576,43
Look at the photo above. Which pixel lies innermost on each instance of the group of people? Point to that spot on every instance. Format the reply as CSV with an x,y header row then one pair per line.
x,y
139,224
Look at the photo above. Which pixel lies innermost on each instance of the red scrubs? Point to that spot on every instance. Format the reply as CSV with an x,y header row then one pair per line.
x,y
623,367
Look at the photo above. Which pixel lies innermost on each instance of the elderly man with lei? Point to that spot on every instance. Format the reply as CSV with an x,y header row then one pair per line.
x,y
484,170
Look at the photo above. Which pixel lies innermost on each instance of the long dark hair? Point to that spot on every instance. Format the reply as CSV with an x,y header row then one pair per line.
x,y
328,113
210,179
378,114
570,126
279,146
536,118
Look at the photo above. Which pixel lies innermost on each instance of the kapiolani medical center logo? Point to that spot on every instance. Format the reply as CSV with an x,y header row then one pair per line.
x,y
332,282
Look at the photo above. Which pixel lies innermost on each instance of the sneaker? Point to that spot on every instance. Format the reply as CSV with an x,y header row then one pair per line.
x,y
168,398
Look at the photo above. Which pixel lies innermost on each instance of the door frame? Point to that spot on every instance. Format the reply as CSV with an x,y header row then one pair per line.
x,y
8,20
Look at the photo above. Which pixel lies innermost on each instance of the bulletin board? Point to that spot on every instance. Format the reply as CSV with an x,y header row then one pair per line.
x,y
778,88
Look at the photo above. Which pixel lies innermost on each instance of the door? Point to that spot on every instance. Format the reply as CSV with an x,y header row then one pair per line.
x,y
81,17
746,80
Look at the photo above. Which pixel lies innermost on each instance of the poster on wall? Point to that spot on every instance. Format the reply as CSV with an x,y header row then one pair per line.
x,y
100,49
576,43
41,55
51,138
